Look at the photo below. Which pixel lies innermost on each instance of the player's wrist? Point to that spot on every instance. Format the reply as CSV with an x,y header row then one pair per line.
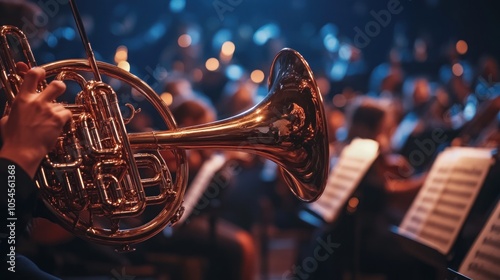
x,y
27,159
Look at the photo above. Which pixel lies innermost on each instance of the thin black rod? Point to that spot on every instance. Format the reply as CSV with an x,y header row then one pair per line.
x,y
85,41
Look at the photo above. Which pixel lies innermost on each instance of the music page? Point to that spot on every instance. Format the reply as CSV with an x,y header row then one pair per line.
x,y
483,260
352,165
200,184
442,205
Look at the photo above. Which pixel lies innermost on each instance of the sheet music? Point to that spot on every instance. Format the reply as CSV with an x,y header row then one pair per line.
x,y
354,162
483,260
200,184
442,205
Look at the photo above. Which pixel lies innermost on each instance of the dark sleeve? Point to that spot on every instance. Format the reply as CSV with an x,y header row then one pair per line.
x,y
18,199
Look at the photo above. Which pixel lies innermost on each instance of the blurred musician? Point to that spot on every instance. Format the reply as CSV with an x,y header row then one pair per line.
x,y
240,204
365,242
228,249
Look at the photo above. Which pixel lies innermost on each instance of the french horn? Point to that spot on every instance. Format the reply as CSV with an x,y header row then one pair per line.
x,y
100,176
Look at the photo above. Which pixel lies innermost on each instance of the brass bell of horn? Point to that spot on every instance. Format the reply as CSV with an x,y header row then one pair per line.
x,y
287,127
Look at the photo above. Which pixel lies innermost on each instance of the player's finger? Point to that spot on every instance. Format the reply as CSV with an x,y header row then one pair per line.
x,y
53,90
31,80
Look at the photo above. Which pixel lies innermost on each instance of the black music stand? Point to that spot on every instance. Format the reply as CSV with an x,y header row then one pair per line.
x,y
445,264
424,253
331,210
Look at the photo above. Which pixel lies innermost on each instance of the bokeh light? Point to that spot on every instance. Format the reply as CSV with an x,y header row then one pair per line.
x,y
257,76
462,47
184,41
212,64
121,54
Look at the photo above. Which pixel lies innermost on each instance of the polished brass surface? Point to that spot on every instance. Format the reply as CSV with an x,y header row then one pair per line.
x,y
8,75
288,127
100,177
93,181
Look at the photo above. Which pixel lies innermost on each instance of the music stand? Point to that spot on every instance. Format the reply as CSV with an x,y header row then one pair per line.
x,y
346,175
432,226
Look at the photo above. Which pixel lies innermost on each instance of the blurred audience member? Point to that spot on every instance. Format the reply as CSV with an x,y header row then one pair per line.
x,y
424,117
487,81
